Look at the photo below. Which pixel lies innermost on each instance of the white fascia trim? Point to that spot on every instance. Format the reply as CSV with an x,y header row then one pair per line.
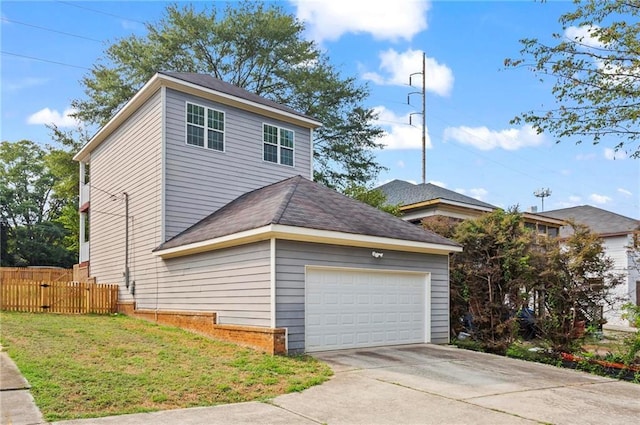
x,y
240,238
136,101
303,234
311,154
543,219
464,205
163,168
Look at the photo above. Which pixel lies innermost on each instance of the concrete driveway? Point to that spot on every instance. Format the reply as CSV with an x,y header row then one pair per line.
x,y
426,384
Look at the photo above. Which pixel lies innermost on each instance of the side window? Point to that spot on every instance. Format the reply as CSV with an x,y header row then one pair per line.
x,y
278,144
205,127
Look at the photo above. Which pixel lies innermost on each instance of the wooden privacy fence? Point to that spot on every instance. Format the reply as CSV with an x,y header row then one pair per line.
x,y
49,274
58,297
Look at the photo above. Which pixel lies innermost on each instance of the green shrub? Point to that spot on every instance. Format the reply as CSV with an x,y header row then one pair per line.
x,y
632,343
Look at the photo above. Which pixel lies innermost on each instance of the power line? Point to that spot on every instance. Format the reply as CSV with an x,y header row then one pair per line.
x,y
44,60
507,167
106,213
103,191
50,30
100,12
406,124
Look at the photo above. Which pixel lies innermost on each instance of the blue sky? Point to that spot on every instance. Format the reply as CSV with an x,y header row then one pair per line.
x,y
47,47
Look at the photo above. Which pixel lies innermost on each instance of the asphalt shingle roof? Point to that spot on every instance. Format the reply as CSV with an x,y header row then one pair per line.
x,y
207,81
300,202
598,220
406,193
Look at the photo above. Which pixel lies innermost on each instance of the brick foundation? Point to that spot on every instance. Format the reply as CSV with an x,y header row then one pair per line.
x,y
269,340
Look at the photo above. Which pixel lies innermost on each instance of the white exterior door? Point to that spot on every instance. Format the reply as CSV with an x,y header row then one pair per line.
x,y
350,308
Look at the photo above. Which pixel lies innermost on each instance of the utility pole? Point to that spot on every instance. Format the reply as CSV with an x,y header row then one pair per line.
x,y
423,113
542,193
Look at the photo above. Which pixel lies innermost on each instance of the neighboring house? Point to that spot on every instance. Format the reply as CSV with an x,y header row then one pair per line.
x,y
620,236
200,200
420,201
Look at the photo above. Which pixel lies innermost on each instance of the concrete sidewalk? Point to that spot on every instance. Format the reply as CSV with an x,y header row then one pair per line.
x,y
16,404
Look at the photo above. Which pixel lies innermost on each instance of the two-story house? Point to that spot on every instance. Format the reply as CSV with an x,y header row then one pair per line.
x,y
197,199
422,201
621,241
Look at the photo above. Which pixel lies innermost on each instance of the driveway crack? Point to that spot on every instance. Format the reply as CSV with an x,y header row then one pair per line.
x,y
272,403
529,390
459,400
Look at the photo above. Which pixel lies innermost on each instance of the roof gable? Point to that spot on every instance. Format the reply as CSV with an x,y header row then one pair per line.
x,y
210,82
204,86
406,193
598,220
301,203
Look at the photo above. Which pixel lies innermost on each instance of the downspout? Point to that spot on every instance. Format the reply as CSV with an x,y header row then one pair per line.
x,y
272,282
126,242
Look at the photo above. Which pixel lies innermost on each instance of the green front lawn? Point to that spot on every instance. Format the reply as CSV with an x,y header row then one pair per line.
x,y
90,366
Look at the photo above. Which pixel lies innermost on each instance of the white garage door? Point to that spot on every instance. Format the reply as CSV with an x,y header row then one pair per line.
x,y
348,308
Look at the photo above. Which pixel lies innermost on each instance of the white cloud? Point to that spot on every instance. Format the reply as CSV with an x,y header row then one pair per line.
x,y
583,35
565,172
131,25
599,199
485,139
397,67
571,202
397,134
24,83
616,71
400,164
625,192
586,157
437,183
476,193
330,19
611,154
51,116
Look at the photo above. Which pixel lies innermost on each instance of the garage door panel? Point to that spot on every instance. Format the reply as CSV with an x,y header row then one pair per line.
x,y
363,308
314,299
314,320
347,340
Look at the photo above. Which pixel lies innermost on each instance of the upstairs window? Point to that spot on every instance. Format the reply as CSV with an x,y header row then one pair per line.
x,y
278,145
205,127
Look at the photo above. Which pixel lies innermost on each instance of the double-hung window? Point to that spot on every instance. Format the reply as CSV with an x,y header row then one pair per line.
x,y
277,144
205,127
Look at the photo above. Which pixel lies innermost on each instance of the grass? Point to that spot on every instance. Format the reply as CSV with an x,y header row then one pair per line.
x,y
92,366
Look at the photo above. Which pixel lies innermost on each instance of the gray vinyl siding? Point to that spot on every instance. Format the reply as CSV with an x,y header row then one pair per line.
x,y
129,160
292,257
199,181
233,282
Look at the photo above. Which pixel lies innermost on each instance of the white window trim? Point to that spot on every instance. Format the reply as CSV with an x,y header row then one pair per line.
x,y
206,127
279,146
